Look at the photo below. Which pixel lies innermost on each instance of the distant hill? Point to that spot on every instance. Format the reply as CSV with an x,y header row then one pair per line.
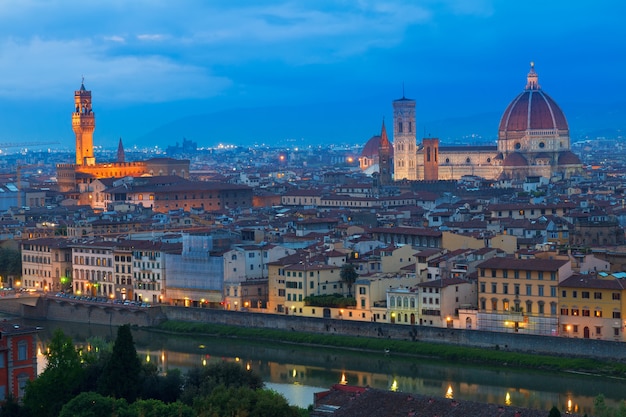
x,y
351,123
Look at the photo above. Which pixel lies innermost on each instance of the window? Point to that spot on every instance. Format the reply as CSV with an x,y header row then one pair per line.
x,y
617,315
22,380
505,273
598,331
540,275
505,288
597,296
563,293
574,294
585,313
494,288
528,275
597,313
575,312
529,289
564,312
516,274
552,291
616,296
516,289
540,290
493,273
585,294
22,350
482,287
541,308
361,290
552,276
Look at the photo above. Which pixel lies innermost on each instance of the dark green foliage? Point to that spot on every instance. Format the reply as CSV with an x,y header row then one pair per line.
x,y
165,388
335,300
241,401
348,275
554,412
11,408
91,404
10,262
121,375
600,408
155,408
59,382
202,381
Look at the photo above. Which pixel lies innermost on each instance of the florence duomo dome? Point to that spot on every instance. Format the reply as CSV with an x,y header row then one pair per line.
x,y
534,130
533,140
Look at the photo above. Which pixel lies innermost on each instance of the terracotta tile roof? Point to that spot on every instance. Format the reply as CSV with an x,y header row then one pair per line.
x,y
524,264
343,402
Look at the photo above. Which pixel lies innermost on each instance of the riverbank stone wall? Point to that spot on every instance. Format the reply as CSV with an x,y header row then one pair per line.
x,y
107,314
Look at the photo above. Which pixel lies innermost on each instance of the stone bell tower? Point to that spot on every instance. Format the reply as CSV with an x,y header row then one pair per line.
x,y
83,124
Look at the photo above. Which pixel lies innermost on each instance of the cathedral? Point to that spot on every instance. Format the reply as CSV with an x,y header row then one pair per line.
x,y
533,140
77,177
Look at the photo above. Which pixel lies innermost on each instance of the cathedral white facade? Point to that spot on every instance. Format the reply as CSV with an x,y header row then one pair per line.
x,y
533,140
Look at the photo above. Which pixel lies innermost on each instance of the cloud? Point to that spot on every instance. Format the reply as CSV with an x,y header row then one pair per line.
x,y
119,39
49,69
151,37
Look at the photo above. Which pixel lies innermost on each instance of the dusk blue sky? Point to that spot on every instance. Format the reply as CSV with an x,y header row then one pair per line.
x,y
244,72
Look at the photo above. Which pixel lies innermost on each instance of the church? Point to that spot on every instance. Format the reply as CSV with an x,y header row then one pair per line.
x,y
533,140
77,177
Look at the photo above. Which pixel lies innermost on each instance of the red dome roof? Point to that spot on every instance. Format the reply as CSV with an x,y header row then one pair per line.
x,y
569,158
533,109
515,159
371,147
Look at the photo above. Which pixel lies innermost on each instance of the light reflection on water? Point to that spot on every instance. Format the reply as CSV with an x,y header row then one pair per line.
x,y
298,373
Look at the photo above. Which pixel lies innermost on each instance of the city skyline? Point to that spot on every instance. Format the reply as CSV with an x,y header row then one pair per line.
x,y
318,72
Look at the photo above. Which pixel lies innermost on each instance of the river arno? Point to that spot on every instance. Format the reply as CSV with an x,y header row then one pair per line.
x,y
297,372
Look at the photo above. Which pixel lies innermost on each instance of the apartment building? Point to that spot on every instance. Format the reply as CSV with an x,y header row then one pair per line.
x,y
46,264
520,295
294,278
592,306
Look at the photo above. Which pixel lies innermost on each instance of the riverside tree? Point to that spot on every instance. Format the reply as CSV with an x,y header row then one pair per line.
x,y
121,376
59,382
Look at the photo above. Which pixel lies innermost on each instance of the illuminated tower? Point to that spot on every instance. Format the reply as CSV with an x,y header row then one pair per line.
x,y
83,124
404,143
384,157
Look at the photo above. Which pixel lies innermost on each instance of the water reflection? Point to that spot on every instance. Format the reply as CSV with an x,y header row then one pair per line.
x,y
297,372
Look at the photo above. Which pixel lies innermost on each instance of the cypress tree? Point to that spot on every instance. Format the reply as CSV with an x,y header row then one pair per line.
x,y
121,375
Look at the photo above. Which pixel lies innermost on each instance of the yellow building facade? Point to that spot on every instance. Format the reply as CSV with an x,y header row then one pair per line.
x,y
520,295
591,306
